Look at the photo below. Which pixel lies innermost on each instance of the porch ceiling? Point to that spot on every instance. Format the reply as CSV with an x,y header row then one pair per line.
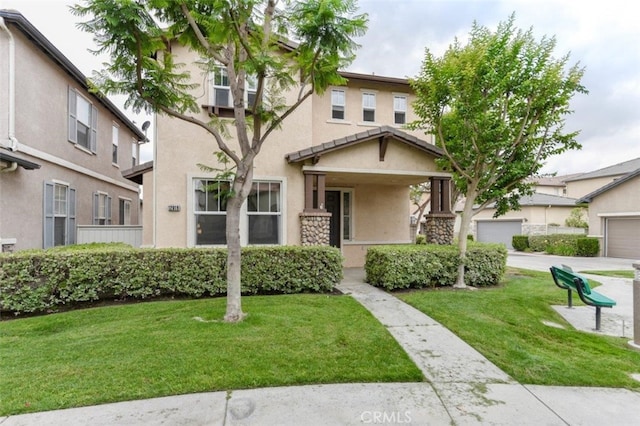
x,y
337,178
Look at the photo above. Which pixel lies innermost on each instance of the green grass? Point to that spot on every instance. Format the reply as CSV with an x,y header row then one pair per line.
x,y
506,325
617,274
153,349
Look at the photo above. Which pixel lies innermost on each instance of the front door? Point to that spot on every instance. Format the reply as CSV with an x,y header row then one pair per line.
x,y
332,204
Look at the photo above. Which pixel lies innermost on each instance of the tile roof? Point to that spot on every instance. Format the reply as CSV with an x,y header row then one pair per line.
x,y
354,139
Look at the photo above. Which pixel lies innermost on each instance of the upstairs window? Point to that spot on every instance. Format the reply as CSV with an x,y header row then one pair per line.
x,y
134,153
221,88
338,102
83,121
114,145
369,107
399,109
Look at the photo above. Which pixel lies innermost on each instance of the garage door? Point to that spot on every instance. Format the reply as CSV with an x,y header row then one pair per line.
x,y
623,237
498,231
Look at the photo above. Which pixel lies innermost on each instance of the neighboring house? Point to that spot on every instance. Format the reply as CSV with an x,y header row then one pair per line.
x,y
538,213
585,183
552,185
614,215
341,157
62,149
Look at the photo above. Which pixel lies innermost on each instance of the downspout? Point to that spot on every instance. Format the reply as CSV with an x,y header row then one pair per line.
x,y
13,146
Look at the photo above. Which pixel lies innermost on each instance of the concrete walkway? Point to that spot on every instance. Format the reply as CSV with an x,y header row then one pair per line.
x,y
462,388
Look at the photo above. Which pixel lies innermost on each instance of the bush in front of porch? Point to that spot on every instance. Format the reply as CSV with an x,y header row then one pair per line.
x,y
395,267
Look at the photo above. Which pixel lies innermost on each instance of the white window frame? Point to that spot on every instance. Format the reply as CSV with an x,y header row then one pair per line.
x,y
398,108
270,211
244,216
73,120
346,214
337,103
54,210
101,208
251,87
368,105
115,130
134,153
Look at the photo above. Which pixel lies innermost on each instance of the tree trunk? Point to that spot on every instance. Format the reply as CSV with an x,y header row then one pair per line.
x,y
465,223
240,188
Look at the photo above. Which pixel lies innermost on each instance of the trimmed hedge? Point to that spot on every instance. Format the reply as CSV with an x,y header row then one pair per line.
x,y
520,242
43,281
417,266
565,244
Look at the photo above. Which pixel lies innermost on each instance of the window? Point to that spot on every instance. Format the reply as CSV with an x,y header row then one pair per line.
x,y
114,145
346,215
222,96
221,89
369,107
59,215
263,210
134,153
210,211
337,104
124,210
399,109
101,209
83,121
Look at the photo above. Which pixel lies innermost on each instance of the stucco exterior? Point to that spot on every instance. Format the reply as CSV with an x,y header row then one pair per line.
x,y
37,82
367,175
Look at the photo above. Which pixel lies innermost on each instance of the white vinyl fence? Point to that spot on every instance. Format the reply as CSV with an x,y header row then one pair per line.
x,y
128,234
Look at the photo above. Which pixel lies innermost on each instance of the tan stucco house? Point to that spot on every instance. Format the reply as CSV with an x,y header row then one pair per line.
x,y
342,158
614,215
539,214
62,149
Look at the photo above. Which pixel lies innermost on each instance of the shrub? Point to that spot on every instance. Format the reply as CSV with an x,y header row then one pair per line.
x,y
41,281
587,247
520,242
412,266
421,239
563,244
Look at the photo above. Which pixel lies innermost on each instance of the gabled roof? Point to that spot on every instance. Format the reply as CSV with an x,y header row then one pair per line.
x,y
552,180
380,133
615,170
540,199
589,197
41,42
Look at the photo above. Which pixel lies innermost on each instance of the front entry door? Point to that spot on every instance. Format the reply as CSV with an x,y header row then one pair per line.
x,y
332,201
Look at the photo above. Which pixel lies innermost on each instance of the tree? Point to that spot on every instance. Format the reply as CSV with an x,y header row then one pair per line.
x,y
496,106
576,218
249,39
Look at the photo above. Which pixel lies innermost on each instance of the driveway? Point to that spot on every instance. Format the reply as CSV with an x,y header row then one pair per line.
x,y
542,262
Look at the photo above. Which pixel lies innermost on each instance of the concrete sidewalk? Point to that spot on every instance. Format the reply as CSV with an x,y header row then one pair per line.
x,y
462,388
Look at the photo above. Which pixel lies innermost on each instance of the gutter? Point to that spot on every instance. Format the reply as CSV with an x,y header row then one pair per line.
x,y
13,145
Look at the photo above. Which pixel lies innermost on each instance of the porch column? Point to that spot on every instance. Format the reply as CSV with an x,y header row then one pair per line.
x,y
440,220
314,220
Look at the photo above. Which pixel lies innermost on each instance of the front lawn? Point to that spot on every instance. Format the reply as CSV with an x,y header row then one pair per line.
x,y
153,349
625,273
506,325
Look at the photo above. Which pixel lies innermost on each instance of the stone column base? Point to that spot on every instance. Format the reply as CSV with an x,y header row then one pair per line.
x,y
315,228
439,228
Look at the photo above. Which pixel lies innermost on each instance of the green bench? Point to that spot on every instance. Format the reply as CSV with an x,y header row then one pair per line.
x,y
568,280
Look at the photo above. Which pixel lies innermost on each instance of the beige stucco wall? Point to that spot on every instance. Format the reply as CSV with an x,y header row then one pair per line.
x,y
621,200
579,188
41,121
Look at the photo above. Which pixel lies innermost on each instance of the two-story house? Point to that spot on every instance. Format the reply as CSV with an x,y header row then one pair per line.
x,y
62,148
342,157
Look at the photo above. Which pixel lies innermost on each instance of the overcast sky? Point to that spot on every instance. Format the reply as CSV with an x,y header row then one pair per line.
x,y
603,36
